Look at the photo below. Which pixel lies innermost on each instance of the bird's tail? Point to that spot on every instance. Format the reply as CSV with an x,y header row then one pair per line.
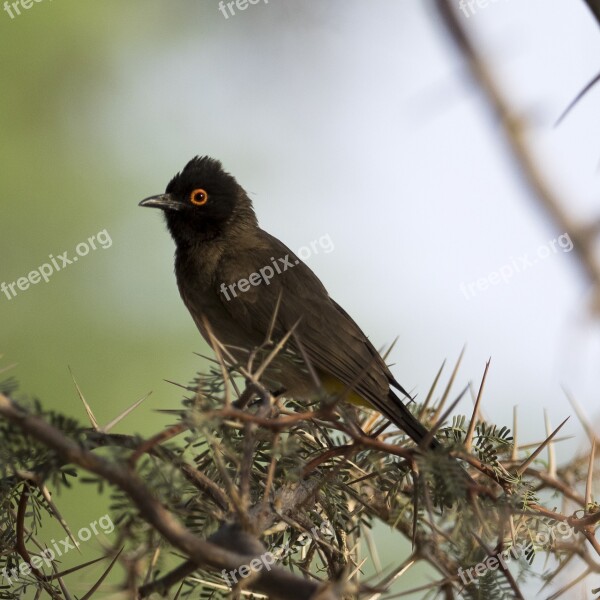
x,y
398,413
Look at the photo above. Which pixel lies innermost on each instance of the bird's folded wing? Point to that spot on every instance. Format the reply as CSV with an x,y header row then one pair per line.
x,y
332,341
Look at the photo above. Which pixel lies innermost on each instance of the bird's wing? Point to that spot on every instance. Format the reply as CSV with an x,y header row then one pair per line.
x,y
333,342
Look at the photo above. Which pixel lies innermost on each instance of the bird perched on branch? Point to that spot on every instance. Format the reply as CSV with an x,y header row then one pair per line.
x,y
244,284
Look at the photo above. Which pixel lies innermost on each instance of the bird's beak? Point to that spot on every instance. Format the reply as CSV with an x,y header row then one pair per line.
x,y
163,201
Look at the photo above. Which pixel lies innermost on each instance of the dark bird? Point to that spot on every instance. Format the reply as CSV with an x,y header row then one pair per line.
x,y
235,277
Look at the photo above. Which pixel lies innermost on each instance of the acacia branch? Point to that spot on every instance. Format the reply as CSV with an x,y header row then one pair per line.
x,y
276,583
515,129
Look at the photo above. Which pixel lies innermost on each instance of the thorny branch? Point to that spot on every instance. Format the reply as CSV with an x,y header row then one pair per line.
x,y
515,128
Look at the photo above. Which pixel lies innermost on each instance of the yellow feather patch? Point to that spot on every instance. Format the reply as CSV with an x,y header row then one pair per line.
x,y
334,387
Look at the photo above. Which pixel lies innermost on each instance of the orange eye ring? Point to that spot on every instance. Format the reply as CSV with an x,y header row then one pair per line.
x,y
199,197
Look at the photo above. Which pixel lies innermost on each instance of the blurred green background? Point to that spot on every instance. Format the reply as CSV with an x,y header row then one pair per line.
x,y
59,187
114,317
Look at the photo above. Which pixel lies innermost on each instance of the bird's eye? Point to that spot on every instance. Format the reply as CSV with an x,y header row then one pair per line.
x,y
199,197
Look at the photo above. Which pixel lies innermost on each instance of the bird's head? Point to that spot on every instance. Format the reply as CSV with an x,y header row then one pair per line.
x,y
203,202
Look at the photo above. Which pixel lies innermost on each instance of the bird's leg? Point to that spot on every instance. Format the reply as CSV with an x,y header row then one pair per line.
x,y
379,430
264,397
246,396
350,416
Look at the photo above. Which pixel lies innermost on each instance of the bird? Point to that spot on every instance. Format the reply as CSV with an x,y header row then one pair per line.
x,y
240,283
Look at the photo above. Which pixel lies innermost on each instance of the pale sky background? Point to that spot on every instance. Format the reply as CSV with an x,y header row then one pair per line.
x,y
356,120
